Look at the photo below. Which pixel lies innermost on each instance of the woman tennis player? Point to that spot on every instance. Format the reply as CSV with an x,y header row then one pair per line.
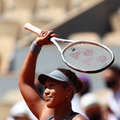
x,y
59,86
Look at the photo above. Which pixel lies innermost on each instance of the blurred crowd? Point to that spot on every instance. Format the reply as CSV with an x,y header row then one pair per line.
x,y
102,104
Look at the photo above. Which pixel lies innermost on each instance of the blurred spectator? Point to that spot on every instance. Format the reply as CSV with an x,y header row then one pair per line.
x,y
20,111
111,77
91,106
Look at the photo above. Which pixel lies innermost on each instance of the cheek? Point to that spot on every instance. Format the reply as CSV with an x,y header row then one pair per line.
x,y
60,95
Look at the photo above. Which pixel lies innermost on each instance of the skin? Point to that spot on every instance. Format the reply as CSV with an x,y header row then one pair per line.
x,y
57,98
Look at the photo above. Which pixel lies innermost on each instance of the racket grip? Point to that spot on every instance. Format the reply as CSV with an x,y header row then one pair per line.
x,y
32,28
35,30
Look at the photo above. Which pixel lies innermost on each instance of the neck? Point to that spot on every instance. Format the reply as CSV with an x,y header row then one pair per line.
x,y
62,111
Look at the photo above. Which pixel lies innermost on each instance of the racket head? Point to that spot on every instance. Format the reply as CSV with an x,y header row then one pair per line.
x,y
87,56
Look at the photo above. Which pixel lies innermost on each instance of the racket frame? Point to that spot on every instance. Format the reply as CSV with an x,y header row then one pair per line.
x,y
86,42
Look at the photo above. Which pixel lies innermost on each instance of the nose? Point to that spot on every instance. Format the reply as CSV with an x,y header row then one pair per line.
x,y
47,91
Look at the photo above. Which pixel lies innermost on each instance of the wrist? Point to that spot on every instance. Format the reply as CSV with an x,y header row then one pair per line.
x,y
35,48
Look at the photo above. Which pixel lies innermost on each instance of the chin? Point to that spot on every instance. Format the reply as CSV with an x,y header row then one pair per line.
x,y
50,105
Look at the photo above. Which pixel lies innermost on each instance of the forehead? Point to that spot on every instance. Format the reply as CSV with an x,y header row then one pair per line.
x,y
108,71
51,80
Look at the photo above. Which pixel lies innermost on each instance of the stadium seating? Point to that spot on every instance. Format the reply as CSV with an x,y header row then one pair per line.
x,y
50,9
112,39
8,36
76,3
90,36
115,20
19,11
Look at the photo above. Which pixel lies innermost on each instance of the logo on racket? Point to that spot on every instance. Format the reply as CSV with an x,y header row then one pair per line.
x,y
75,55
88,52
101,59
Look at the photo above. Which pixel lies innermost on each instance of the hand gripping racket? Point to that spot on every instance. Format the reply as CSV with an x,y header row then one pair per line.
x,y
83,56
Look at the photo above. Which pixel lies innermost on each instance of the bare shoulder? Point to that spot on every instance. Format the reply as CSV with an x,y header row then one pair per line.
x,y
80,117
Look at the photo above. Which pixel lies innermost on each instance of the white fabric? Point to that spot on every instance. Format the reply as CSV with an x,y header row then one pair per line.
x,y
114,103
76,105
21,108
88,99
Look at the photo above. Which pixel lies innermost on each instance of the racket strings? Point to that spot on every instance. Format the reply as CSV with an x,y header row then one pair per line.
x,y
87,56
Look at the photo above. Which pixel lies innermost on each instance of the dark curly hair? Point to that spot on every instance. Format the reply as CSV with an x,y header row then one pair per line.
x,y
78,83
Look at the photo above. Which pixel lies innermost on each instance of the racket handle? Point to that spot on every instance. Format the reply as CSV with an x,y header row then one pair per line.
x,y
35,30
32,28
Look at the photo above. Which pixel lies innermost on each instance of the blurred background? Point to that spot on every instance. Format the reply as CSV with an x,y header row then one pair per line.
x,y
95,20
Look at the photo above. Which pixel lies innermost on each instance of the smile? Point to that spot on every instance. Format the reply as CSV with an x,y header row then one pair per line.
x,y
47,98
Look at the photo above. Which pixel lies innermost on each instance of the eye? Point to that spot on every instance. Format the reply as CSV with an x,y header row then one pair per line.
x,y
51,85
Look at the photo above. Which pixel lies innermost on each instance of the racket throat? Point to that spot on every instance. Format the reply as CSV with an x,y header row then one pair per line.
x,y
56,44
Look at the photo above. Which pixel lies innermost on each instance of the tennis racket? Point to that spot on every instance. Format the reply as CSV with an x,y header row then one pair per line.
x,y
83,56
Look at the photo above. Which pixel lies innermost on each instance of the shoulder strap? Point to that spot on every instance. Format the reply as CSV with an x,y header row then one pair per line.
x,y
69,118
72,116
49,118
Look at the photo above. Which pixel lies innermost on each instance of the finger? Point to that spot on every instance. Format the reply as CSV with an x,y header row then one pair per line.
x,y
48,34
43,33
54,35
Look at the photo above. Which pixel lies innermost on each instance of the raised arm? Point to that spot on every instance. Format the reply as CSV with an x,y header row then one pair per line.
x,y
27,77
